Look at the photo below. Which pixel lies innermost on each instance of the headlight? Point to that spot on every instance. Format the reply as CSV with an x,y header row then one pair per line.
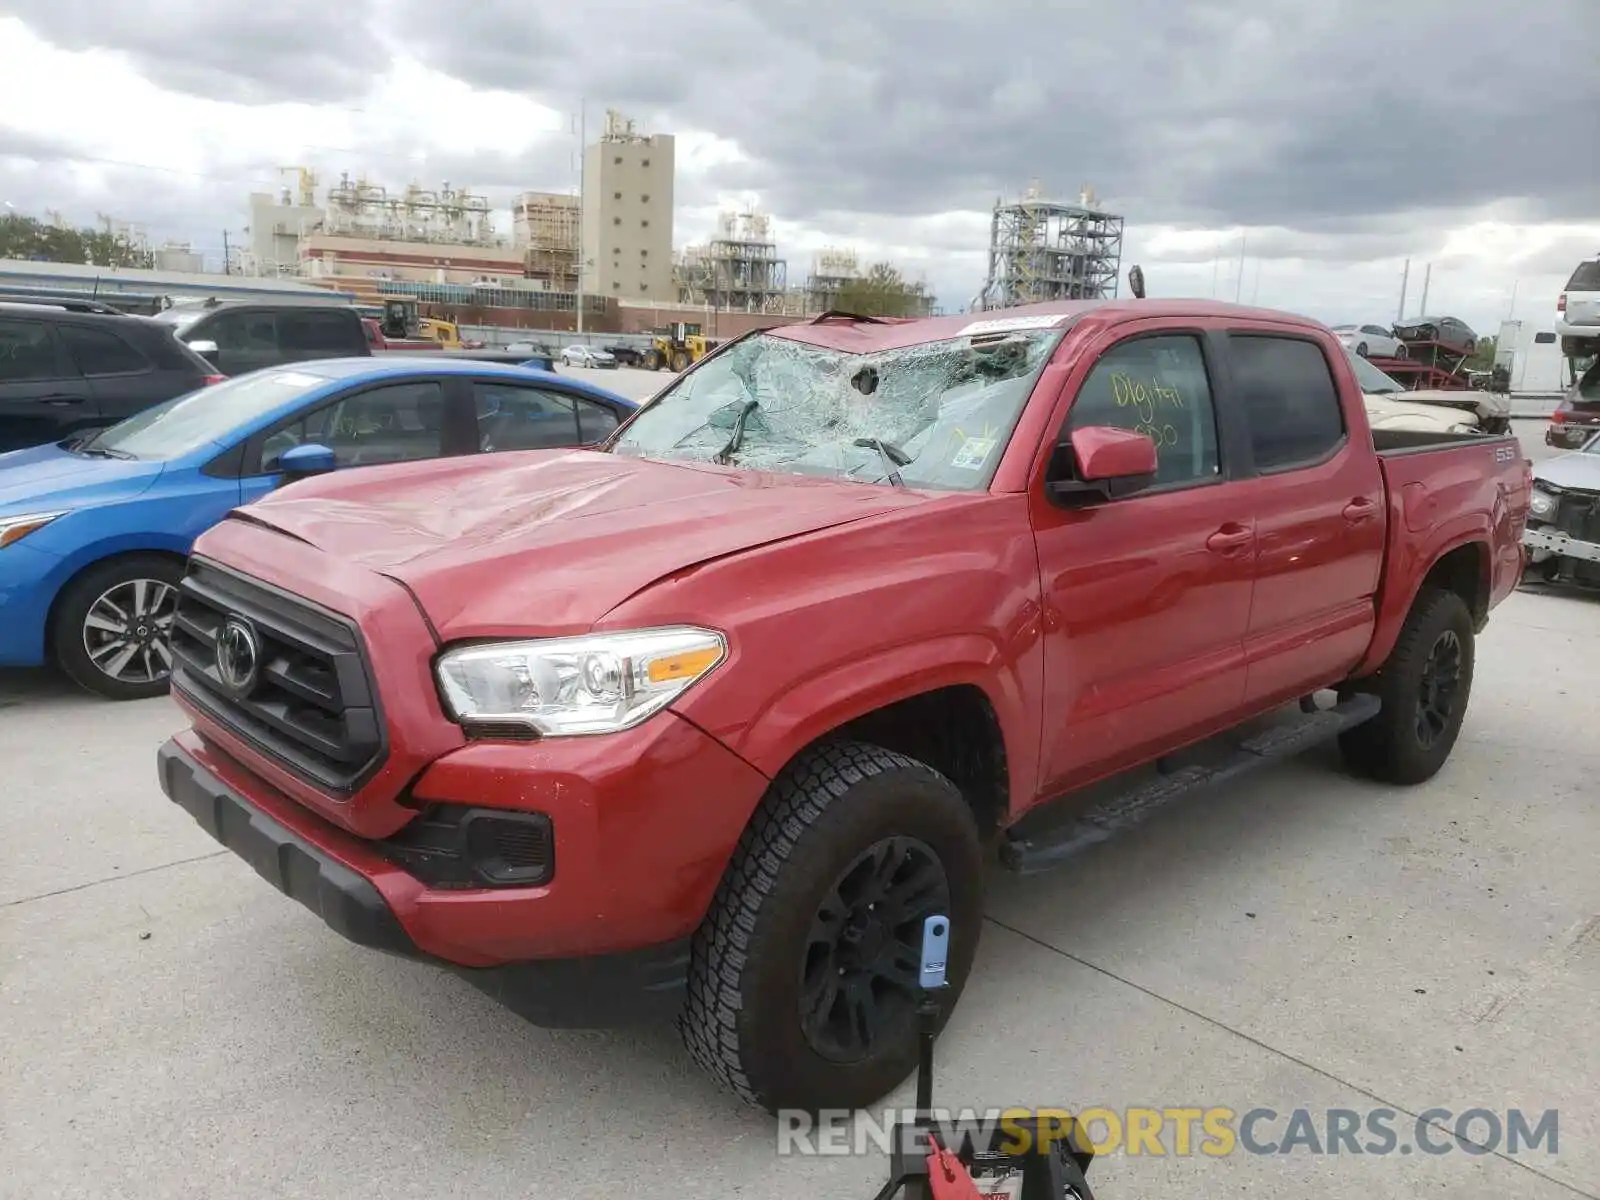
x,y
598,683
14,529
1542,504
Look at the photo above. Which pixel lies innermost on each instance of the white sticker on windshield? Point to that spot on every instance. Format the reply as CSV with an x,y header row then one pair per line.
x,y
1007,324
972,454
296,379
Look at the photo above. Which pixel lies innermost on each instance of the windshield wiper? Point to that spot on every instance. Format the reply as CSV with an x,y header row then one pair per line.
x,y
893,458
737,440
102,452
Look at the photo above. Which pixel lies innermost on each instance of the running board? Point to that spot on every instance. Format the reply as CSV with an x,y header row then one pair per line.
x,y
1028,856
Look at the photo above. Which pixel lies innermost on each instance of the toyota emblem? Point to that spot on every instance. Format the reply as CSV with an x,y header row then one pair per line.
x,y
238,655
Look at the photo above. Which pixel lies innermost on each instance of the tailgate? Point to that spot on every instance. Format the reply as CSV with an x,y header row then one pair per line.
x,y
1446,496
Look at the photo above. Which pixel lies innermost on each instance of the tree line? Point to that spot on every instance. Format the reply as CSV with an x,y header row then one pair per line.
x,y
30,239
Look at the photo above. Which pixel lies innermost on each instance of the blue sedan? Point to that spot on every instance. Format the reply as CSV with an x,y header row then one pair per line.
x,y
93,533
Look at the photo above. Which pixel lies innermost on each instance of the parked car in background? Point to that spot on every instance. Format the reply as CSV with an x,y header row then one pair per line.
x,y
626,356
93,533
1370,341
1578,311
1578,414
1389,406
1563,535
1447,331
69,368
246,335
587,356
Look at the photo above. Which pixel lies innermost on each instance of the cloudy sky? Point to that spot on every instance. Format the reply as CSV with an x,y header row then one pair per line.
x,y
1330,140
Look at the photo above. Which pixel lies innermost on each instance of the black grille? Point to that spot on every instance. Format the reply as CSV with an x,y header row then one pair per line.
x,y
1578,515
312,706
451,846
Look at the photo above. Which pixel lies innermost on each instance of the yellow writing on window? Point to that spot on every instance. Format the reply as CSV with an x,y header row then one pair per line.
x,y
1144,396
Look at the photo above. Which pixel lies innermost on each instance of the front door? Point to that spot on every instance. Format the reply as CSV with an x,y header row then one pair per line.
x,y
1146,597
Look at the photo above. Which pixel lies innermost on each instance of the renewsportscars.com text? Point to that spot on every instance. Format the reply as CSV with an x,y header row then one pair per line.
x,y
1183,1131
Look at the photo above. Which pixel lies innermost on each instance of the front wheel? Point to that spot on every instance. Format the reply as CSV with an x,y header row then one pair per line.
x,y
1424,686
1362,350
803,977
112,629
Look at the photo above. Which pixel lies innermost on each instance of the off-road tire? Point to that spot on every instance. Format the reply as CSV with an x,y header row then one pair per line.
x,y
741,1021
1388,748
72,608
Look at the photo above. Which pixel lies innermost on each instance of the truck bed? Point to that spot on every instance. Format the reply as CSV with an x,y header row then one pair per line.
x,y
1449,492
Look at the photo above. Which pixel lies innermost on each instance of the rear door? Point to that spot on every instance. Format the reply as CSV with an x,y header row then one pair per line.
x,y
42,396
1146,597
1319,516
123,380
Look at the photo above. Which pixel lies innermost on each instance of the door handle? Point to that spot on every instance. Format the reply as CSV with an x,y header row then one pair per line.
x,y
1230,537
61,401
1359,510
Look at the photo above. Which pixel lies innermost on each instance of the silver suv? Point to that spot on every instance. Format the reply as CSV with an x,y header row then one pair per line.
x,y
1578,312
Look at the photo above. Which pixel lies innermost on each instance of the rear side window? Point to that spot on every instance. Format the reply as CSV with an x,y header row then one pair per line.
x,y
1586,278
1156,386
100,352
319,333
239,331
26,352
1290,399
513,417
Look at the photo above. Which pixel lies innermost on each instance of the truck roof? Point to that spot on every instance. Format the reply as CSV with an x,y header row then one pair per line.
x,y
864,335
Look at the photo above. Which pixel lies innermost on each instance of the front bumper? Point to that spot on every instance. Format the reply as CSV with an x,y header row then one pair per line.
x,y
1547,543
594,991
29,581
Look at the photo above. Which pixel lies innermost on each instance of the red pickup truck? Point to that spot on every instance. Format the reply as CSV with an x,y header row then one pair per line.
x,y
708,721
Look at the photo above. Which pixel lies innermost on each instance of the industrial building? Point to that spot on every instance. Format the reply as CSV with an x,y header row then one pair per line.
x,y
110,283
545,228
738,269
1042,250
627,213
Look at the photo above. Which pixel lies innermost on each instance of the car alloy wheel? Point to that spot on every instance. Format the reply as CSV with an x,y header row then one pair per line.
x,y
127,632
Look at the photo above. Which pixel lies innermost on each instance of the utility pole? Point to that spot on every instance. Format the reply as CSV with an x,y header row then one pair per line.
x,y
1405,278
583,194
1427,278
227,258
1512,311
1238,287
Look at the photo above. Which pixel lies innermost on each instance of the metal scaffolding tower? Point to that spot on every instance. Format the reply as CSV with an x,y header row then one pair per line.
x,y
1043,250
738,270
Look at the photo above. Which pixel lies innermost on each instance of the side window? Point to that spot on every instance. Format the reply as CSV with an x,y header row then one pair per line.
x,y
315,332
26,352
240,331
401,422
1290,399
1375,331
1156,386
98,352
513,417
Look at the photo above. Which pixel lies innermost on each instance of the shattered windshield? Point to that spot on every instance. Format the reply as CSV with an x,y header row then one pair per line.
x,y
936,415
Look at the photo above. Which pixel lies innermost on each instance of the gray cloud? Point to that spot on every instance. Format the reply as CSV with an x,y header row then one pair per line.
x,y
306,50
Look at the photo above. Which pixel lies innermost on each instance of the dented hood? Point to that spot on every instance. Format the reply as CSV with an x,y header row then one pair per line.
x,y
548,542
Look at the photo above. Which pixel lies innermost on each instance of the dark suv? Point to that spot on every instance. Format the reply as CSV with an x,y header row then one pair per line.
x,y
240,336
70,367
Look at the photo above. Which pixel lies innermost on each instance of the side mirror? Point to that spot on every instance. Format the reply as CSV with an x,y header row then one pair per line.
x,y
1107,462
303,461
206,350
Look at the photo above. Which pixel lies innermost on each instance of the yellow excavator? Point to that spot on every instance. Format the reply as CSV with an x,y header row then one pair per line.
x,y
676,347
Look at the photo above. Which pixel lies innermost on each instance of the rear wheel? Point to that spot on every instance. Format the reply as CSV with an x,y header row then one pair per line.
x,y
803,978
680,361
112,627
653,360
1424,686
